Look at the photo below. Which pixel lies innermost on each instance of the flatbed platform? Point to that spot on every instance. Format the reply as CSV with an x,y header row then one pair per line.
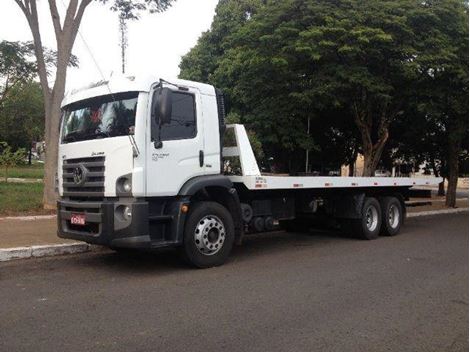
x,y
239,147
315,182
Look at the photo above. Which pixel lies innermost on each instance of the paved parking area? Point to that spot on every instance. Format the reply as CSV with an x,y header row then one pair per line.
x,y
279,292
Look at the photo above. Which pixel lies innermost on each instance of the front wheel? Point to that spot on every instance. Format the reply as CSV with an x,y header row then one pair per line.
x,y
208,235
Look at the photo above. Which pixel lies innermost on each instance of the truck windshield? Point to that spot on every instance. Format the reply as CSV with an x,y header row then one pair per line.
x,y
100,117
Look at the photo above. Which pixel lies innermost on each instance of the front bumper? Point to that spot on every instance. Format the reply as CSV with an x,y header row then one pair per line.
x,y
102,224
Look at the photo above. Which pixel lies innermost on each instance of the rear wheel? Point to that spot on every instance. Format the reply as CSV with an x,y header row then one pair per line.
x,y
392,215
208,236
368,227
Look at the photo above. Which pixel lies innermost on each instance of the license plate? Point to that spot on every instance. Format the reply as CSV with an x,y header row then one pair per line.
x,y
77,219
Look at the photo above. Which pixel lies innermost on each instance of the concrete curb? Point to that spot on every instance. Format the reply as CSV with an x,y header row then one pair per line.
x,y
29,217
25,180
436,212
7,254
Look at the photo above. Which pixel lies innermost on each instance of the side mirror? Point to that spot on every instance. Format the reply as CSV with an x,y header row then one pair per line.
x,y
162,106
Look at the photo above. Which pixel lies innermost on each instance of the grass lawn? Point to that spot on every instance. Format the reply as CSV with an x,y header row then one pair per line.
x,y
36,170
21,198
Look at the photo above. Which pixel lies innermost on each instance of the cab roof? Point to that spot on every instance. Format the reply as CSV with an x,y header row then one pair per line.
x,y
119,84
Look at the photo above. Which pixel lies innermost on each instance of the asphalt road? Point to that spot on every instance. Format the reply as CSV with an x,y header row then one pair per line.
x,y
279,292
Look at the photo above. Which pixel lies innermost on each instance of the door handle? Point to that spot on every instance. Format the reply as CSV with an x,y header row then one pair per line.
x,y
201,158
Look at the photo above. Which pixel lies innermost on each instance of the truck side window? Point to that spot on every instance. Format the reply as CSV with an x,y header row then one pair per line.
x,y
183,118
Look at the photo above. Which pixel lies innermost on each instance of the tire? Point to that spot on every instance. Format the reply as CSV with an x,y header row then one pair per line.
x,y
368,227
209,235
392,216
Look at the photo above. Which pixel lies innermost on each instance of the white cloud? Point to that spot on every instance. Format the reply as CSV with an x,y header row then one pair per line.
x,y
156,42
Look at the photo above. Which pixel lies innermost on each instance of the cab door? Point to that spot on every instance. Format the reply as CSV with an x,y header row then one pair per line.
x,y
180,155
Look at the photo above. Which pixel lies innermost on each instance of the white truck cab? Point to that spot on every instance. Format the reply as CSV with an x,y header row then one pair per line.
x,y
143,164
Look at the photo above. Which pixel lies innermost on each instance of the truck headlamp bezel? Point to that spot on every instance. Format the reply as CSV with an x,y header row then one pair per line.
x,y
124,185
127,186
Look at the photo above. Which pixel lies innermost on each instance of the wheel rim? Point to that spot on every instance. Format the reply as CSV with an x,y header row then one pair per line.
x,y
393,216
372,218
209,235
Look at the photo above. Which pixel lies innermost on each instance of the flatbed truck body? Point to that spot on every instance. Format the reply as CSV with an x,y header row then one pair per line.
x,y
146,163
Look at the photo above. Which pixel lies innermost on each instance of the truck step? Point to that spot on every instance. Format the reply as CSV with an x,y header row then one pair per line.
x,y
160,218
161,244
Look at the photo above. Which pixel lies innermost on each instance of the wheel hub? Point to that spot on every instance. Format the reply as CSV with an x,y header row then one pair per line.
x,y
393,216
209,235
372,218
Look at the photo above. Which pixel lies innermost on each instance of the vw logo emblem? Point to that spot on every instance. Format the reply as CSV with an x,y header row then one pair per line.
x,y
79,175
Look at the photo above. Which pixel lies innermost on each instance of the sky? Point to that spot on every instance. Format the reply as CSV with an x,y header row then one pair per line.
x,y
156,42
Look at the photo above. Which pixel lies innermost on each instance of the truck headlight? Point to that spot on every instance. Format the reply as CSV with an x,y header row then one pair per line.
x,y
127,186
124,185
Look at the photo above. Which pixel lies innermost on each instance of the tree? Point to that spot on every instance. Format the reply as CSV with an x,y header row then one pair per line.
x,y
15,67
443,67
9,158
292,61
22,116
66,30
230,15
123,42
420,139
366,58
342,65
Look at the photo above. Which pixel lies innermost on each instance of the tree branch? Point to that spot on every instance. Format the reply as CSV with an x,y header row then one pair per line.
x,y
79,16
33,22
70,14
22,6
55,18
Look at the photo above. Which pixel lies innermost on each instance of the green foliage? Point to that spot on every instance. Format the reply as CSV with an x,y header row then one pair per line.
x,y
435,121
34,171
130,9
9,158
20,198
22,116
352,67
18,65
21,98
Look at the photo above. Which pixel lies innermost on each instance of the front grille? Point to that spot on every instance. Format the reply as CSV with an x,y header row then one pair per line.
x,y
91,210
91,184
91,229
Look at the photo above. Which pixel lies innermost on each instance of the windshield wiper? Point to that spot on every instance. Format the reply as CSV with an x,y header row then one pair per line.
x,y
70,137
99,133
80,136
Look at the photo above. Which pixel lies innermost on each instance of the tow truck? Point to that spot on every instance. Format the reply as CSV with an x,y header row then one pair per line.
x,y
147,163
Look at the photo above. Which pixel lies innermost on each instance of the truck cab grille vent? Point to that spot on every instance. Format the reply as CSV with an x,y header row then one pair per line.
x,y
83,177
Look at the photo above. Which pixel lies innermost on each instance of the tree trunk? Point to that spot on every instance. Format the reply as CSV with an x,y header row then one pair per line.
x,y
372,150
453,163
30,153
351,169
441,191
368,168
65,34
52,148
371,160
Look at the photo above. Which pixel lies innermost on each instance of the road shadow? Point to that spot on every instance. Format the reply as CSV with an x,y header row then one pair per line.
x,y
253,245
169,261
